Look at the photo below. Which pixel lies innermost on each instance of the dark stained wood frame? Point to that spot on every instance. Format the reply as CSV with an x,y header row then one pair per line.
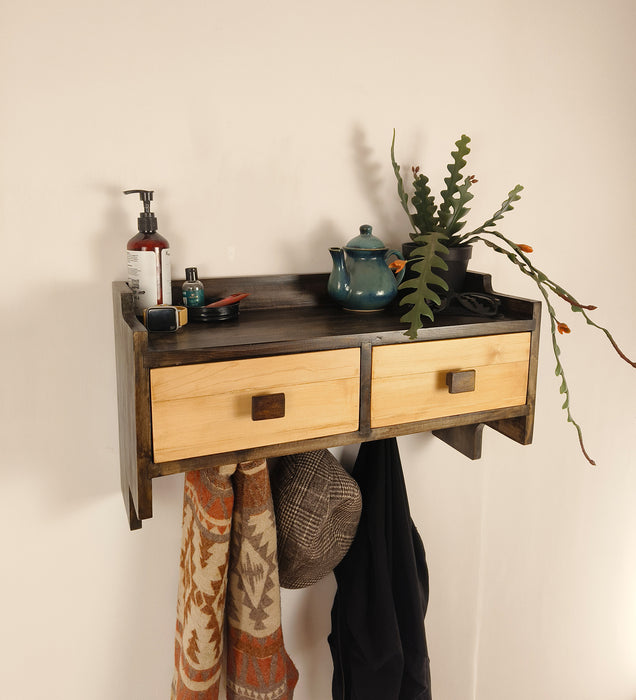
x,y
286,314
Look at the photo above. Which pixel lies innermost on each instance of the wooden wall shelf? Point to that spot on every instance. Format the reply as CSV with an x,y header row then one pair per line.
x,y
295,372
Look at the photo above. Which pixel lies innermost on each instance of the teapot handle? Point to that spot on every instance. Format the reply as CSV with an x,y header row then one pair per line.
x,y
399,275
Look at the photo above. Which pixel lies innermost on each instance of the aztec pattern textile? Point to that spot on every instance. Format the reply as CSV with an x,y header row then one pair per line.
x,y
229,595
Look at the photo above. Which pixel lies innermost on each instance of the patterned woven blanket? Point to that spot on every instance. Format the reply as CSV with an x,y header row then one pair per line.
x,y
229,595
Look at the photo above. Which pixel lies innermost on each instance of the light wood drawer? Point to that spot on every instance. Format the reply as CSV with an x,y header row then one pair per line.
x,y
207,409
409,380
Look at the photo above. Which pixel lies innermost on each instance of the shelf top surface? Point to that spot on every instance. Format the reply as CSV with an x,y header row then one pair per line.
x,y
306,321
316,328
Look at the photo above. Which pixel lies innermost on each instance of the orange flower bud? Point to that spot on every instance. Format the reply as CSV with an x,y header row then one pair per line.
x,y
525,248
563,328
397,265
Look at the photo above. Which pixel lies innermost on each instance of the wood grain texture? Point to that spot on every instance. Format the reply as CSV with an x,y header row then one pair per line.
x,y
287,315
521,429
460,382
366,353
352,438
464,438
133,401
409,381
292,313
268,406
273,332
205,409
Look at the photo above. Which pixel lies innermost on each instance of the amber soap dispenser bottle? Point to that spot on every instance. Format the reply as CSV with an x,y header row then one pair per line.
x,y
148,260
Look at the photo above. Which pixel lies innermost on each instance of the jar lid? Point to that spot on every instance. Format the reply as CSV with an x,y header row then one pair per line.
x,y
365,240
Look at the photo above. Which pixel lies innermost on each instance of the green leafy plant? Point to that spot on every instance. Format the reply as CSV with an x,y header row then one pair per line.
x,y
436,229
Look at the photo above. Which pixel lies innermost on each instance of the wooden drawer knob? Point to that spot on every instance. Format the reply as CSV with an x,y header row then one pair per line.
x,y
460,382
268,406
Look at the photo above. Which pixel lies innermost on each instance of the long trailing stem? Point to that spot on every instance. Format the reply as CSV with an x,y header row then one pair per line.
x,y
582,309
521,261
559,371
517,255
541,277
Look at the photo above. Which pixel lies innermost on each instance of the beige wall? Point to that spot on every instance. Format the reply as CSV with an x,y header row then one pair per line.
x,y
265,130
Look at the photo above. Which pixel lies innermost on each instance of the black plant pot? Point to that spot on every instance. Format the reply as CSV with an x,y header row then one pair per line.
x,y
457,260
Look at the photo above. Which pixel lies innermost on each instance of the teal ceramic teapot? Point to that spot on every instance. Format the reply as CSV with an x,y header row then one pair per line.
x,y
363,280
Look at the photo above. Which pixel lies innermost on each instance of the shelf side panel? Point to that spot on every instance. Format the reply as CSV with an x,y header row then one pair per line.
x,y
132,394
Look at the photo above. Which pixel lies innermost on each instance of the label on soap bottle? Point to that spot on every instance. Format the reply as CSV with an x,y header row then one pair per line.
x,y
149,277
166,277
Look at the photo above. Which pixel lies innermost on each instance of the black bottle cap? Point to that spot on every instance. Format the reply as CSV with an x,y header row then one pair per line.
x,y
147,221
191,274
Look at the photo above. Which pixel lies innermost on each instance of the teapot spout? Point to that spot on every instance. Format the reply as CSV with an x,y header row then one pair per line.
x,y
338,286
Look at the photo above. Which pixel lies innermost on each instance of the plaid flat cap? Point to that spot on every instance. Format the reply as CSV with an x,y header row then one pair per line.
x,y
317,506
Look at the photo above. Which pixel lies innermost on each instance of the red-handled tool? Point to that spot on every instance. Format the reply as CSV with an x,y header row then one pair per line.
x,y
232,299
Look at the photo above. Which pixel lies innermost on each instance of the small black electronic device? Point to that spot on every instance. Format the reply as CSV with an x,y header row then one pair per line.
x,y
165,317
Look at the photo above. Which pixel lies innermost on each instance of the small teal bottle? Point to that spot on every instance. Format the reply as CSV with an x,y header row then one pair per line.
x,y
192,288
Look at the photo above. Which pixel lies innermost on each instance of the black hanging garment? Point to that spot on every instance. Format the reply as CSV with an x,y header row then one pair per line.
x,y
377,639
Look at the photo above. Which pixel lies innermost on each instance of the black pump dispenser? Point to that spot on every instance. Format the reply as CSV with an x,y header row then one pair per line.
x,y
147,221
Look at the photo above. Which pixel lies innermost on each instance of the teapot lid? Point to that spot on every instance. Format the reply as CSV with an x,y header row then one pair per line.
x,y
365,240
